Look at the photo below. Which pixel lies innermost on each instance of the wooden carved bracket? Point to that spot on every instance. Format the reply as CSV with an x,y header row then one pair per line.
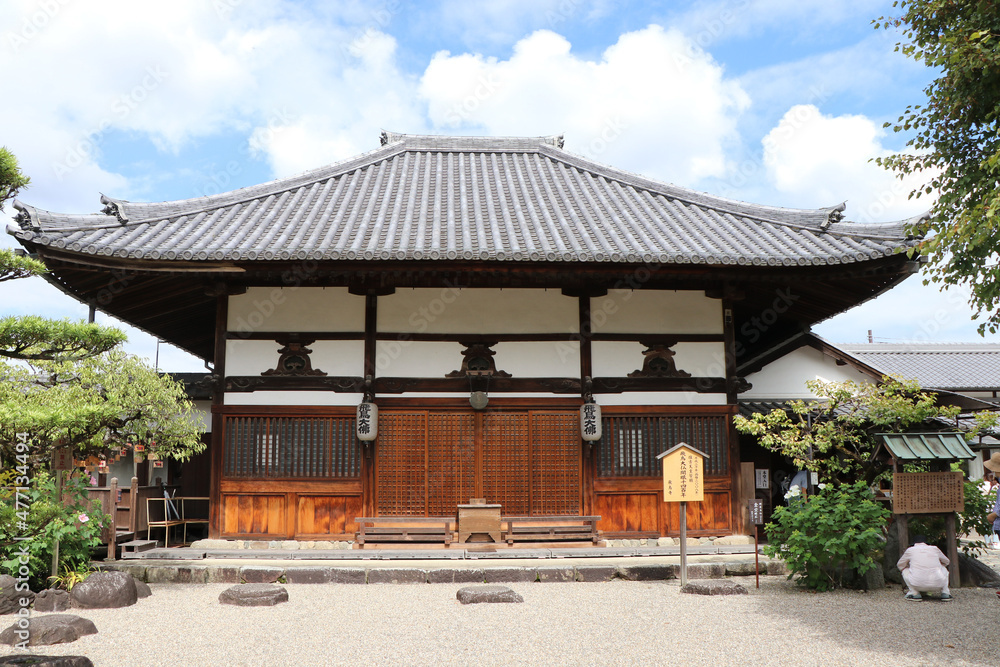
x,y
658,362
294,359
478,361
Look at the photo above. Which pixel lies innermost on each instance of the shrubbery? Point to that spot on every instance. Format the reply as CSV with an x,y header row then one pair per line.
x,y
830,536
77,522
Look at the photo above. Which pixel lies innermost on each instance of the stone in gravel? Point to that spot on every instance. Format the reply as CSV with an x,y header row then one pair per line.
x,y
105,590
478,594
254,595
308,575
142,589
559,574
714,587
52,600
45,661
49,629
396,576
10,597
256,574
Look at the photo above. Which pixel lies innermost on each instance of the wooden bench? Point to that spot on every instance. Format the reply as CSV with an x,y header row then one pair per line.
x,y
565,528
176,511
405,529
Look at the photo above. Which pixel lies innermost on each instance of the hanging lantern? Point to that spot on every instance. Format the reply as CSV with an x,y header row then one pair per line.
x,y
367,421
590,422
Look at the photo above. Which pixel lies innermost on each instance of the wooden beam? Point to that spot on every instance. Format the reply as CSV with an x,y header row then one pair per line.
x,y
218,423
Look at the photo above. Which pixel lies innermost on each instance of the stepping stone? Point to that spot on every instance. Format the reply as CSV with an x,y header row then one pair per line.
x,y
254,595
714,587
51,629
45,661
487,593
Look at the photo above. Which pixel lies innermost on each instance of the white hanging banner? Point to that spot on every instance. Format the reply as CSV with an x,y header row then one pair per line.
x,y
590,422
367,422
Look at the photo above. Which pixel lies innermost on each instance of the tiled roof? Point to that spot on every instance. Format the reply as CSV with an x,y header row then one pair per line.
x,y
472,198
952,366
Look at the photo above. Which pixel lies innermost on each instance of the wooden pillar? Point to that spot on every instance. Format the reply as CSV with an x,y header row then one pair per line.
x,y
218,423
588,450
737,520
113,506
954,577
368,454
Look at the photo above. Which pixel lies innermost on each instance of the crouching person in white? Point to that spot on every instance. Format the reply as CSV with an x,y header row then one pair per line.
x,y
925,570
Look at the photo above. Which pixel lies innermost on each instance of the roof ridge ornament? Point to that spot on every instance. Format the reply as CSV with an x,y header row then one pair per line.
x,y
115,207
834,214
26,217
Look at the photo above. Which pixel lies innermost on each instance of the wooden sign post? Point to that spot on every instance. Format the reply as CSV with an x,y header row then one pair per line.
x,y
62,459
683,480
756,510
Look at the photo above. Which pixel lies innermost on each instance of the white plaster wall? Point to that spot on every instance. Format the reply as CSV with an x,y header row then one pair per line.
x,y
540,359
291,398
656,311
334,357
619,358
296,309
452,310
203,412
786,377
663,398
409,358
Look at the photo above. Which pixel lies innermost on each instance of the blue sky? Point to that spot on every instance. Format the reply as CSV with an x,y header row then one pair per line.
x,y
773,101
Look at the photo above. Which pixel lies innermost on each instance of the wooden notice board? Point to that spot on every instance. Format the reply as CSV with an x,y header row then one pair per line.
x,y
683,474
927,492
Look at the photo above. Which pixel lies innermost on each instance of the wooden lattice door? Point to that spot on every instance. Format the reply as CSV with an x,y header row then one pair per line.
x,y
428,462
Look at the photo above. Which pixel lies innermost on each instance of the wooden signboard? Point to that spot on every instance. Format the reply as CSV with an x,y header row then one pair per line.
x,y
62,458
683,474
927,492
756,511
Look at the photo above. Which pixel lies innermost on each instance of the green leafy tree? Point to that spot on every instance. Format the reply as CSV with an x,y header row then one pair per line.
x,y
955,141
834,434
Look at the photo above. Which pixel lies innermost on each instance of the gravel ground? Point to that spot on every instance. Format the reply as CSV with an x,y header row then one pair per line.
x,y
613,623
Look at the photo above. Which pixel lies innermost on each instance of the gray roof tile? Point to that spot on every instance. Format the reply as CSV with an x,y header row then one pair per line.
x,y
485,198
951,366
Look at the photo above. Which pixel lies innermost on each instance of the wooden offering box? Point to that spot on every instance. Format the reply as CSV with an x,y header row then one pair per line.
x,y
478,523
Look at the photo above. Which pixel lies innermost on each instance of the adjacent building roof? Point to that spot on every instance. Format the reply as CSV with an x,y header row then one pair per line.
x,y
496,199
926,446
951,366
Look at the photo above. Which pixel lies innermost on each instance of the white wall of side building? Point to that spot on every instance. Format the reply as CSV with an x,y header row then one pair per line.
x,y
786,377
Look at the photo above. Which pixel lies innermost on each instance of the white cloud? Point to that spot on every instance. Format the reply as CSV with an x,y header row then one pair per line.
x,y
650,89
814,159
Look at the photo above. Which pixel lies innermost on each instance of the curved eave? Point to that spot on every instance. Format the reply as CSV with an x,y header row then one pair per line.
x,y
175,301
